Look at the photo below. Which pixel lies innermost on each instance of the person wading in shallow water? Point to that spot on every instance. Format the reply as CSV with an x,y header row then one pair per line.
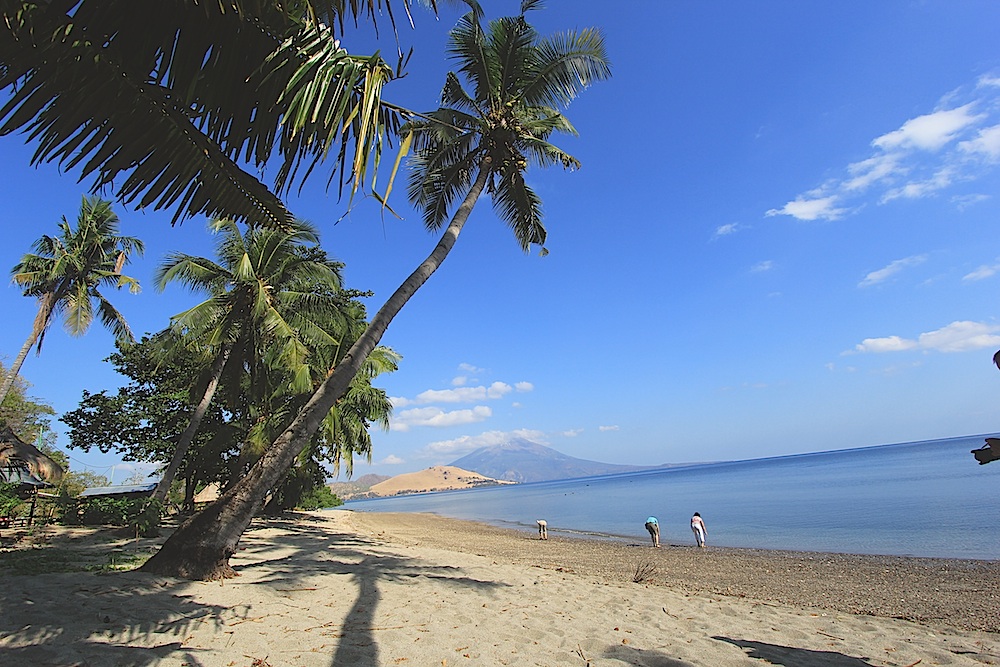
x,y
699,530
653,526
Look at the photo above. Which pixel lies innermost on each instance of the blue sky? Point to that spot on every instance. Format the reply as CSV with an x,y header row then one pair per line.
x,y
783,239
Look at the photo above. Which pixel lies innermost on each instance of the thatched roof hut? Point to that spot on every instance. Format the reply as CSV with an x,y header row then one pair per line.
x,y
17,456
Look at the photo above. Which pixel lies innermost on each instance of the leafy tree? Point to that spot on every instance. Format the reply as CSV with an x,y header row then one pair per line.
x,y
66,273
486,143
75,481
190,90
26,416
320,497
144,418
263,309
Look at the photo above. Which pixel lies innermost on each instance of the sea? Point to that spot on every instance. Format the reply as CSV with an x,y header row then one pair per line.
x,y
921,499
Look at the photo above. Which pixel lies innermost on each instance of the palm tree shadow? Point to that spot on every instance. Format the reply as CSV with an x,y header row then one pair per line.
x,y
791,656
331,552
642,657
103,606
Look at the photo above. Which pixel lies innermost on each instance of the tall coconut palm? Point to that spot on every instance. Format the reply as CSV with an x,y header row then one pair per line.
x,y
66,274
262,300
485,141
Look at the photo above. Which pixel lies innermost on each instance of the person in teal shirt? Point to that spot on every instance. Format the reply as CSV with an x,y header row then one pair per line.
x,y
653,526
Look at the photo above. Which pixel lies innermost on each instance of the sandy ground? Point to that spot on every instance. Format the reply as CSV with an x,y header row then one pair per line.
x,y
342,588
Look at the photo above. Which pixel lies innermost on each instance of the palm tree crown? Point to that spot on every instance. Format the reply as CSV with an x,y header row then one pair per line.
x,y
262,303
518,81
66,274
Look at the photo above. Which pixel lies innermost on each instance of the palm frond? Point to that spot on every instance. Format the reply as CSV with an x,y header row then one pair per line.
x,y
566,64
519,206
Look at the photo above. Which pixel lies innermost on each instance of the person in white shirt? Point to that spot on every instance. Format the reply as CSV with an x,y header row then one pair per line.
x,y
699,530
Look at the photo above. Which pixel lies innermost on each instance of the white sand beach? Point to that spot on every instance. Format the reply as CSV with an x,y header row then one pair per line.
x,y
340,588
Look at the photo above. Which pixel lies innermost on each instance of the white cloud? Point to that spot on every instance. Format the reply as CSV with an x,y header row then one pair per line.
x,y
726,230
438,418
873,170
822,208
982,273
470,369
468,443
608,428
459,381
956,143
887,344
956,337
572,433
985,144
523,387
963,202
463,394
883,274
931,131
920,189
392,460
761,267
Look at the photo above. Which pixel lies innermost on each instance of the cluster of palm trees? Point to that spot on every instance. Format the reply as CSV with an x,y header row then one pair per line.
x,y
276,317
482,139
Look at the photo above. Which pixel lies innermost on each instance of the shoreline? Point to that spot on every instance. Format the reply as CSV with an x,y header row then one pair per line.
x,y
341,588
960,593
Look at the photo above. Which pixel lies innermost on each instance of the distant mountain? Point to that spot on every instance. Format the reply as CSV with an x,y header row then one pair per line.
x,y
521,460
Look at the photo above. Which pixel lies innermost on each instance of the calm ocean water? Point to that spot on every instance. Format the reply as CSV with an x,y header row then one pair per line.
x,y
916,499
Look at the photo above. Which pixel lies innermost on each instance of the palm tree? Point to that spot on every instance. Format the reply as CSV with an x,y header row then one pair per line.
x,y
191,90
261,306
485,142
66,274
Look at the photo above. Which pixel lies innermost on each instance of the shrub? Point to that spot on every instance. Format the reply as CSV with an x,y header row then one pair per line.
x,y
319,497
10,503
143,515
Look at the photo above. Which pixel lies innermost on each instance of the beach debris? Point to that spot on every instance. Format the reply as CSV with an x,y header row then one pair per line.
x,y
644,571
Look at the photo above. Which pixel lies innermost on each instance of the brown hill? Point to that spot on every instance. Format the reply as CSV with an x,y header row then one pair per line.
x,y
438,478
356,488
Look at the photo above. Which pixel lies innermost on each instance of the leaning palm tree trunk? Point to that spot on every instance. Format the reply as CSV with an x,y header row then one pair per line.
x,y
187,437
45,305
200,548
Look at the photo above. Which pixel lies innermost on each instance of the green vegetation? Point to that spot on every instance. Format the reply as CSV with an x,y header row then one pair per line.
x,y
484,141
319,497
65,274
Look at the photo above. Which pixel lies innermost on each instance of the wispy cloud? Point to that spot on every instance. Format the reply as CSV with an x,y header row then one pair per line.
x,y
961,336
963,202
761,267
883,274
925,155
462,394
727,230
438,418
930,132
802,208
982,273
608,428
468,443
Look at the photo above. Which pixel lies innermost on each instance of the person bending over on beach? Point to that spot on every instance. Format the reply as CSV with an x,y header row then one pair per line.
x,y
543,529
699,530
653,526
